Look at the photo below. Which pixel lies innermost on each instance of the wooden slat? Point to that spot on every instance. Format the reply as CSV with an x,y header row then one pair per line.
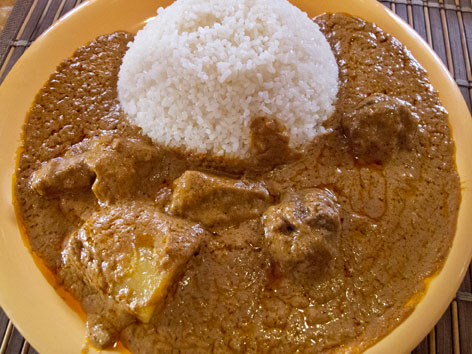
x,y
3,324
457,54
466,284
465,90
468,30
25,348
410,14
58,11
455,329
49,15
36,14
444,341
464,296
464,312
6,338
17,17
432,341
419,23
458,49
447,42
467,20
39,28
429,35
27,19
465,52
15,344
3,67
401,10
32,350
422,348
68,5
15,55
469,273
437,35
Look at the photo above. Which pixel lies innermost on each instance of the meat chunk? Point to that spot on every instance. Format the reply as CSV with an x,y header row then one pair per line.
x,y
269,143
132,254
212,200
118,163
107,164
63,174
379,126
302,230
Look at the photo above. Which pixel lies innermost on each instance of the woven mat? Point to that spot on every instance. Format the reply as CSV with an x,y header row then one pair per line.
x,y
445,24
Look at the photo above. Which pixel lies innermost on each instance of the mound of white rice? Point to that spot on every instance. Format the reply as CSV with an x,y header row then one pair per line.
x,y
196,75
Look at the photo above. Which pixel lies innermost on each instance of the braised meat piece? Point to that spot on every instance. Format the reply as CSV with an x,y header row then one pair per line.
x,y
212,200
132,254
302,230
63,174
118,163
107,164
379,126
269,143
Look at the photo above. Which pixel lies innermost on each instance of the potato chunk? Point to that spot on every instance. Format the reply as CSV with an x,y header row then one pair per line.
x,y
132,253
212,200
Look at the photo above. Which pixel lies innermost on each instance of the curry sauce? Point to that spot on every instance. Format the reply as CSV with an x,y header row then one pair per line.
x,y
315,251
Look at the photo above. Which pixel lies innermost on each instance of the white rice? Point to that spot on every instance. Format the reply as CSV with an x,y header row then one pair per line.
x,y
196,75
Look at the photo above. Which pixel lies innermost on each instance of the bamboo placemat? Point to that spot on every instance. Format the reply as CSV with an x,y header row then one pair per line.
x,y
445,24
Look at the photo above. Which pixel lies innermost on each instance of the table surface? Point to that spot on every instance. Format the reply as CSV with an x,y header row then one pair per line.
x,y
445,24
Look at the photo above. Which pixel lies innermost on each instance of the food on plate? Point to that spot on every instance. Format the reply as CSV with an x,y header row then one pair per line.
x,y
197,76
211,200
240,178
302,231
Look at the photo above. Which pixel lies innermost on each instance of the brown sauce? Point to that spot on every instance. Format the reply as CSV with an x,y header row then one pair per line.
x,y
323,251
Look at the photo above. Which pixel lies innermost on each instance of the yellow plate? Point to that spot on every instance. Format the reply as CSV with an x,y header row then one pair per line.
x,y
33,305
